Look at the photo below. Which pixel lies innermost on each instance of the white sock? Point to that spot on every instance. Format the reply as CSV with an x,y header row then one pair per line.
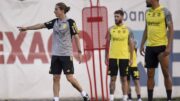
x,y
139,99
56,98
83,93
111,97
125,97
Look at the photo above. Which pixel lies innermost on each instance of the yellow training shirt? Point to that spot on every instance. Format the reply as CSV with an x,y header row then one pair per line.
x,y
156,22
119,48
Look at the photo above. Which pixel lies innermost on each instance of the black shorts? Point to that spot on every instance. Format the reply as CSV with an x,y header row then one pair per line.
x,y
59,63
134,73
121,64
151,56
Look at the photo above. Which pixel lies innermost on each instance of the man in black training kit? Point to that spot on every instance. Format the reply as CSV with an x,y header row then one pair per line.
x,y
63,31
158,36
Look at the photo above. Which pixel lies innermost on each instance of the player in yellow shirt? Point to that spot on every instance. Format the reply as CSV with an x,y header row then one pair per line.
x,y
120,53
158,36
134,73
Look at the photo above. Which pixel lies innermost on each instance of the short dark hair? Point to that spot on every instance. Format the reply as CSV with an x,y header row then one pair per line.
x,y
63,6
121,12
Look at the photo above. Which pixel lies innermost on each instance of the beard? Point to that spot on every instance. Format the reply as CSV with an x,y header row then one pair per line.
x,y
148,4
118,22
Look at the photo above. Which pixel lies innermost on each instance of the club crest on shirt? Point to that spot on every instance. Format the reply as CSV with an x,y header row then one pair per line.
x,y
63,26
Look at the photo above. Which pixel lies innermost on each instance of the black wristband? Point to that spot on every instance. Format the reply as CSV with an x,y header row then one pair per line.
x,y
79,51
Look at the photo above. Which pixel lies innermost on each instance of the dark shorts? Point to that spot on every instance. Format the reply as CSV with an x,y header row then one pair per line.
x,y
151,56
134,73
59,63
118,64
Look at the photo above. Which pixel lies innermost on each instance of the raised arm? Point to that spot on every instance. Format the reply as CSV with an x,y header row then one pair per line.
x,y
48,25
33,27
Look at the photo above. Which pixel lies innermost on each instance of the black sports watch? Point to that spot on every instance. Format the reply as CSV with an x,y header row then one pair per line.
x,y
79,51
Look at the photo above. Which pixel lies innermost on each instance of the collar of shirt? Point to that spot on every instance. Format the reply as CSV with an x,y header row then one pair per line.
x,y
63,20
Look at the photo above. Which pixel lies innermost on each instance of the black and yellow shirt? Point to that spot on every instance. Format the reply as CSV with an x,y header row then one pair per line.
x,y
63,30
157,21
119,36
